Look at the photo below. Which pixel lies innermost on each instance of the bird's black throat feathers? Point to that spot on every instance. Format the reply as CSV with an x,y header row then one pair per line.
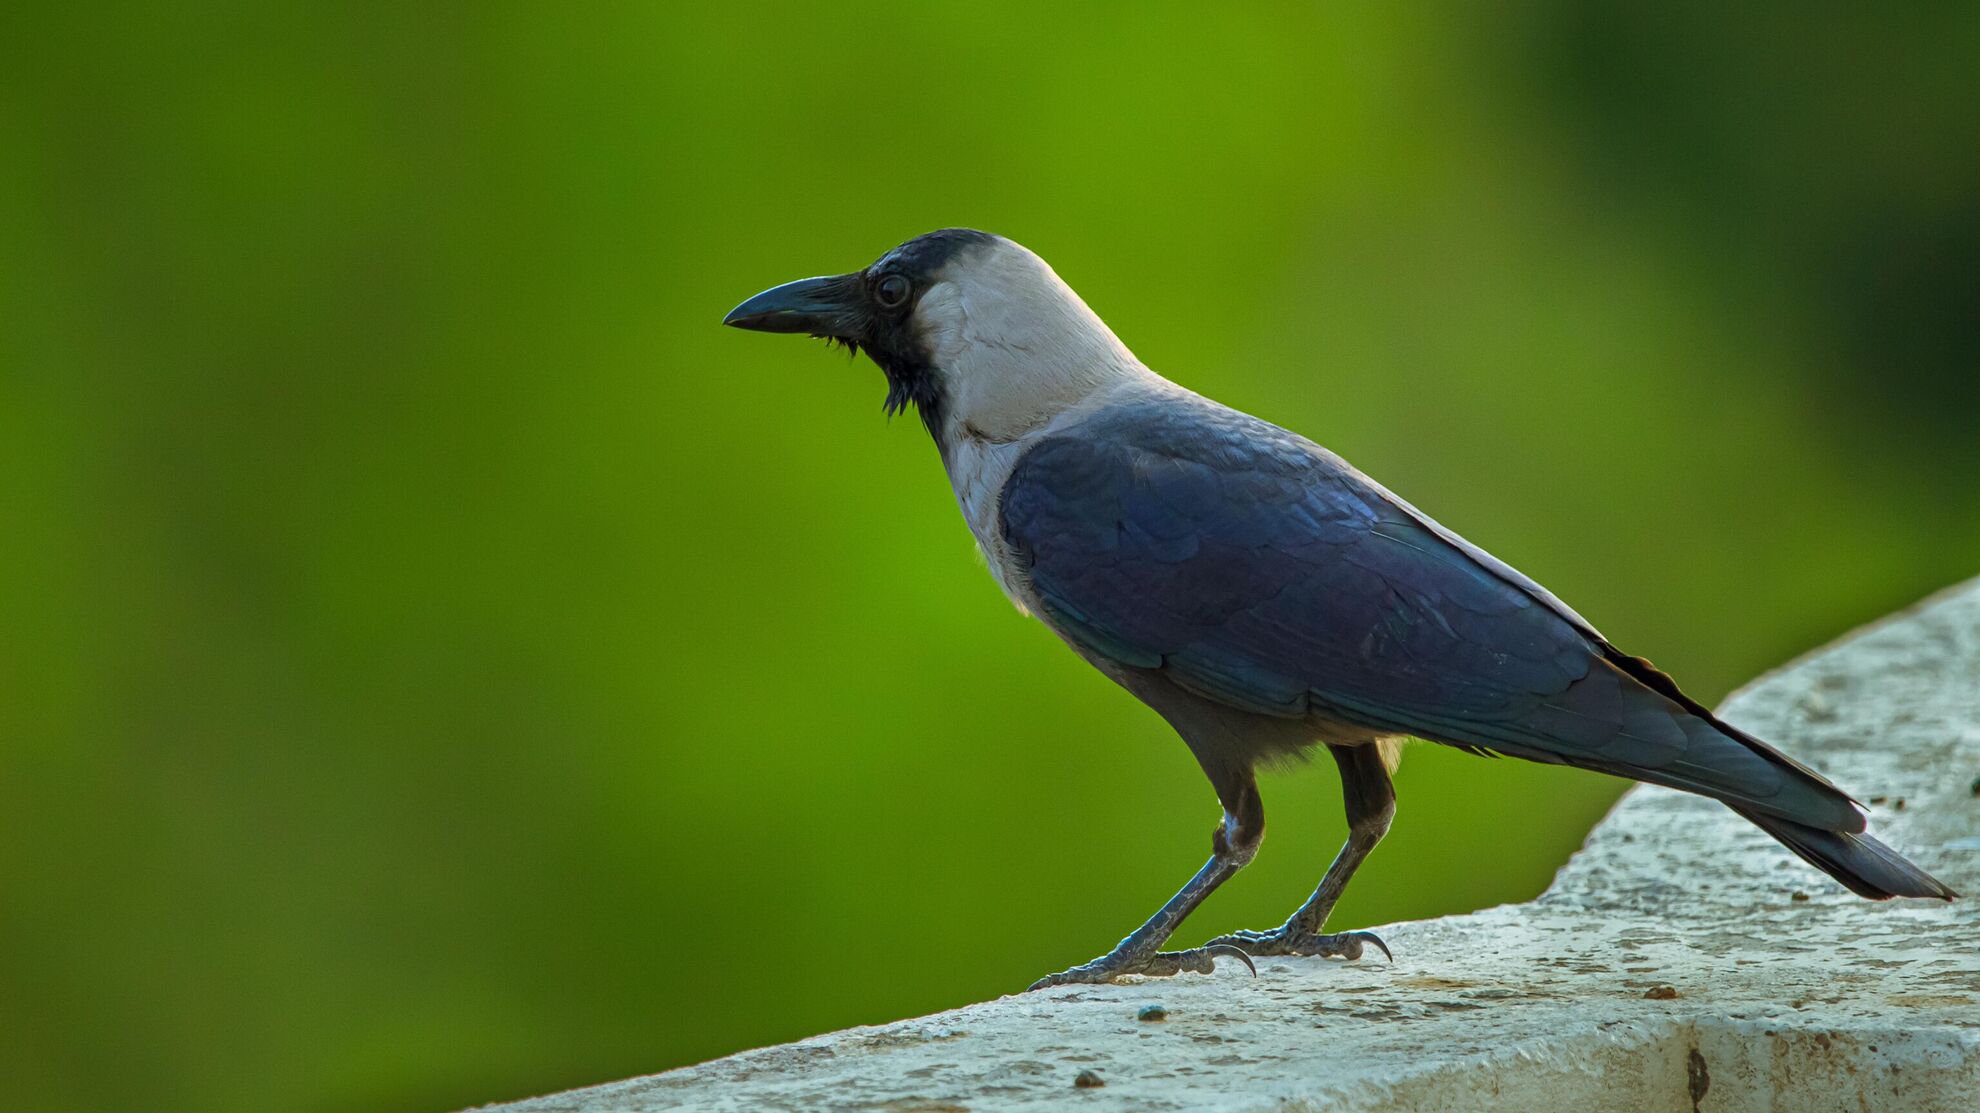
x,y
889,337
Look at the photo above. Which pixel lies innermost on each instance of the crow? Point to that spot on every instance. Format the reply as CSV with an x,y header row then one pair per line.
x,y
1262,595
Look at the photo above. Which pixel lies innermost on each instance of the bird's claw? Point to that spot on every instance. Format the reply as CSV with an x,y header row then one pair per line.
x,y
1280,941
1159,964
1234,952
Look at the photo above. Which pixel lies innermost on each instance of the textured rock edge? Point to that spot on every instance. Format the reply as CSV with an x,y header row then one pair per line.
x,y
1681,960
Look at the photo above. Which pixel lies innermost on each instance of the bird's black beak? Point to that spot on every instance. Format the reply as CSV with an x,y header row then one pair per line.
x,y
819,306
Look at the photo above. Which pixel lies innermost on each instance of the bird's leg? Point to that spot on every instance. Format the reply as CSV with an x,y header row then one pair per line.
x,y
1232,847
1371,803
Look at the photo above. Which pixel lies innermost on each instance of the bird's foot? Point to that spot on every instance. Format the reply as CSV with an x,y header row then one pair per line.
x,y
1284,941
1152,964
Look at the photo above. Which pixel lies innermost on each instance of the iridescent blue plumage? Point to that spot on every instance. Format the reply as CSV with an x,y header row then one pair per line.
x,y
1254,568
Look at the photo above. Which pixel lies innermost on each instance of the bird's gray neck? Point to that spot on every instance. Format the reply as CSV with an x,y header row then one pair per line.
x,y
1009,359
1005,395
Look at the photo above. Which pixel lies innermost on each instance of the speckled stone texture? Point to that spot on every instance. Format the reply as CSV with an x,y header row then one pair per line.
x,y
1681,961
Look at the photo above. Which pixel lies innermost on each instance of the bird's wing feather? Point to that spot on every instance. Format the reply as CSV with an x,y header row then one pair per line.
x,y
1257,569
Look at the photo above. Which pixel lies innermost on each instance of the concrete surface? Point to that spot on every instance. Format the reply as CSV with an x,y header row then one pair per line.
x,y
1681,961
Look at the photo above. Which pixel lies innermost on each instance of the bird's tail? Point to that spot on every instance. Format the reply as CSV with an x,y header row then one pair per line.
x,y
1865,866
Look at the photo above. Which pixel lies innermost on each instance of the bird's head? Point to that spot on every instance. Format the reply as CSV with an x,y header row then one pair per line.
x,y
968,327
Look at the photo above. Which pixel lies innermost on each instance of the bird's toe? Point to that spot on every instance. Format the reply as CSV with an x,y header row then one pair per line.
x,y
1159,964
1279,941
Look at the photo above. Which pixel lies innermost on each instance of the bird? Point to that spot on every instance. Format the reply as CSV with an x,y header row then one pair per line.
x,y
1260,594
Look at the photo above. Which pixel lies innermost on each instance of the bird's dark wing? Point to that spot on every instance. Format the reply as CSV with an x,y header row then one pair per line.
x,y
1257,569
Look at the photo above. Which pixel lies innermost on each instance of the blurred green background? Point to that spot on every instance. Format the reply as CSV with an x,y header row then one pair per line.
x,y
438,663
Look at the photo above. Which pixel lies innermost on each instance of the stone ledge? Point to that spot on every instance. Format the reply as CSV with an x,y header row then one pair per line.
x,y
1681,961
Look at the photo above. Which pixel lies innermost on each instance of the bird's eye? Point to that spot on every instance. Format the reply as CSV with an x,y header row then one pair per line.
x,y
892,292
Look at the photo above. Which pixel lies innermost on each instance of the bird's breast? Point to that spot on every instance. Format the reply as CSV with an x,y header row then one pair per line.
x,y
978,467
